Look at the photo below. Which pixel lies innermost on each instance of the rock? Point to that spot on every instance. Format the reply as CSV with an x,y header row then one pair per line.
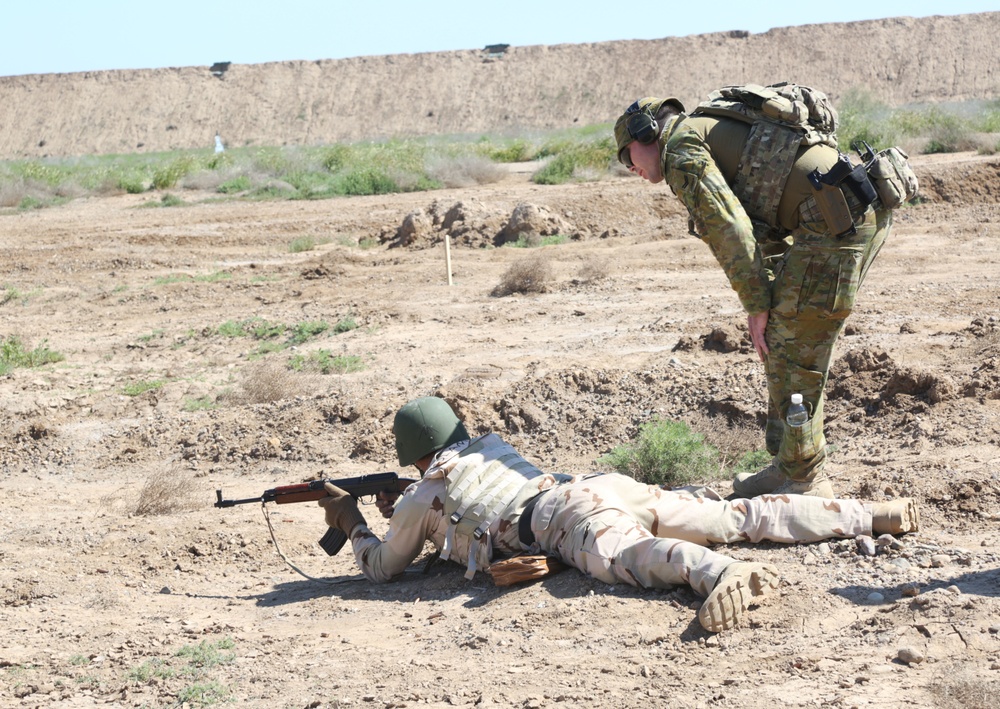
x,y
888,541
910,590
823,549
866,545
875,597
940,560
954,590
910,655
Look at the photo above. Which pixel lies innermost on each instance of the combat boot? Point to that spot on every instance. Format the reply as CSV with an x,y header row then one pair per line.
x,y
737,585
895,517
818,487
760,483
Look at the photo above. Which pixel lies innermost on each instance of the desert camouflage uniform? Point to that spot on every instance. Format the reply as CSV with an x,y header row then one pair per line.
x,y
808,282
612,527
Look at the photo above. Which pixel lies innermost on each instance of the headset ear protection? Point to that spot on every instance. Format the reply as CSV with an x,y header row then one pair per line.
x,y
641,124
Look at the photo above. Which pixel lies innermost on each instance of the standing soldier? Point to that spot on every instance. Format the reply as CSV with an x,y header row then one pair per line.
x,y
795,226
479,500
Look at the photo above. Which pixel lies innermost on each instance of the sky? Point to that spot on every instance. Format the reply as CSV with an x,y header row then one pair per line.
x,y
59,36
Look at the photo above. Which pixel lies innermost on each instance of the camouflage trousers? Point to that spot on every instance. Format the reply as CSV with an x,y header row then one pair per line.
x,y
815,285
618,530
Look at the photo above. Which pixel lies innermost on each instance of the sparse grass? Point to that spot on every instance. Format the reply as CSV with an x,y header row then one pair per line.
x,y
532,275
139,387
191,663
665,453
324,362
14,354
204,403
937,128
365,168
172,278
13,295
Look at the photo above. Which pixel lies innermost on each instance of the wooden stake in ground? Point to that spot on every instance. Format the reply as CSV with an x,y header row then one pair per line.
x,y
447,255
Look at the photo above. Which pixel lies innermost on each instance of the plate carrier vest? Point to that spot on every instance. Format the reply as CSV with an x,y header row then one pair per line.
x,y
488,478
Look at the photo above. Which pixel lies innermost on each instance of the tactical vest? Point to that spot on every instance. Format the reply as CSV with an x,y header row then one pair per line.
x,y
783,117
489,478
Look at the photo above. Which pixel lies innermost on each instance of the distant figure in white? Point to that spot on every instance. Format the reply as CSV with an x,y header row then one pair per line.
x,y
219,148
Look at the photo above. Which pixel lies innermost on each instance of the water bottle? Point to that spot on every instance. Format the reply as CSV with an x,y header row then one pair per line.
x,y
797,413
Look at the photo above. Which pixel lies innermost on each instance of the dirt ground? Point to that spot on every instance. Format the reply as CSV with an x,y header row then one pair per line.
x,y
122,585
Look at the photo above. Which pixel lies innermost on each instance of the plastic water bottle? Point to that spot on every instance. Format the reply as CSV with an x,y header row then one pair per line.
x,y
797,413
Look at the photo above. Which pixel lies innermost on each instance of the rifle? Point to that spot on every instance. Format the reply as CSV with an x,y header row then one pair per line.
x,y
358,487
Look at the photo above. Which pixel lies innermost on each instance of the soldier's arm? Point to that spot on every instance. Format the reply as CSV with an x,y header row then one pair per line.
x,y
411,525
719,217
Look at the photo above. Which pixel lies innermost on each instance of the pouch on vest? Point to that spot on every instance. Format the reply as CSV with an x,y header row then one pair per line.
x,y
830,196
891,174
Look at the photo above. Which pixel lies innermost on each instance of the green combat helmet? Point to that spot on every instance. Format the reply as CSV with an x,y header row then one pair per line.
x,y
639,122
423,426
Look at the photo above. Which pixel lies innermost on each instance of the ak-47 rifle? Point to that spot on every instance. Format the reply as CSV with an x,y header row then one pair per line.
x,y
358,487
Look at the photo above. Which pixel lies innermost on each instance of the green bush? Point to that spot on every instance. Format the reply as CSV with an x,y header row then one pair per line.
x,y
302,243
572,157
665,453
324,362
167,176
237,184
13,354
365,181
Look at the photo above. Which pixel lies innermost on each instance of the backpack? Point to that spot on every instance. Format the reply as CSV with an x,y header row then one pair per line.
x,y
783,118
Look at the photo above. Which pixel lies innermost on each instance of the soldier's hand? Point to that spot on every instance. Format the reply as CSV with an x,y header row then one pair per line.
x,y
341,510
757,325
386,503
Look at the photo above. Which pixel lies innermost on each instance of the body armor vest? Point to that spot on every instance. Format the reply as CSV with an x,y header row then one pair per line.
x,y
488,479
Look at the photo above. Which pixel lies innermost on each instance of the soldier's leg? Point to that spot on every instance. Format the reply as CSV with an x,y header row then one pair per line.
x,y
587,526
813,293
778,518
591,526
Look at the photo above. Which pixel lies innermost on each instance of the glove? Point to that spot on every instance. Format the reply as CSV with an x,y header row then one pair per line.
x,y
526,567
341,509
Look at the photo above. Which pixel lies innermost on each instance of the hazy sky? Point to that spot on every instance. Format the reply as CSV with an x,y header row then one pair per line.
x,y
50,36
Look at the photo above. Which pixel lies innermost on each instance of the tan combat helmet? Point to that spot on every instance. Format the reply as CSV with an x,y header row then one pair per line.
x,y
639,123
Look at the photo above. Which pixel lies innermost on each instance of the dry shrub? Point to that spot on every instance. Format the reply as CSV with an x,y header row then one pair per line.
x,y
165,492
967,693
733,440
12,193
592,271
465,171
267,382
532,275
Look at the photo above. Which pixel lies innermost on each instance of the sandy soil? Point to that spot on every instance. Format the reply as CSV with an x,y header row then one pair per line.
x,y
103,603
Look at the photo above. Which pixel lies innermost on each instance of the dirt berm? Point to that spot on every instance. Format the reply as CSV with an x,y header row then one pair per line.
x,y
899,60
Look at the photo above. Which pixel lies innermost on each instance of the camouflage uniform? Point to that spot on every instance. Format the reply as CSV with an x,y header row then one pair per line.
x,y
611,527
808,282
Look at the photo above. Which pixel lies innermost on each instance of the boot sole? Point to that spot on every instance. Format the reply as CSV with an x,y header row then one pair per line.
x,y
727,602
